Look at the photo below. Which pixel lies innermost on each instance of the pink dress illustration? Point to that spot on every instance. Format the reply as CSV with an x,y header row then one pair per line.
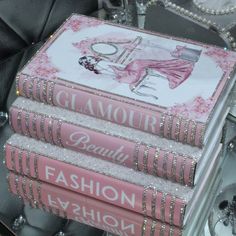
x,y
141,73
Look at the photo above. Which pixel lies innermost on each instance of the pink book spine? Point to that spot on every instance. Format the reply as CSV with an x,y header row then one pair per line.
x,y
147,200
87,210
113,108
139,156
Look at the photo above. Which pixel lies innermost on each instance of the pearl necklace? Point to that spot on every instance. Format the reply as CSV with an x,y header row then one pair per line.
x,y
212,11
226,34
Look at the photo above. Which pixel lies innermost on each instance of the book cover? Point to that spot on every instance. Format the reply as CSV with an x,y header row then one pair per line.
x,y
83,209
152,196
111,142
169,87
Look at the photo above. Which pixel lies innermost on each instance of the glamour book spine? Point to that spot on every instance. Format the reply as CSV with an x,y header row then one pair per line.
x,y
86,210
150,200
130,152
99,104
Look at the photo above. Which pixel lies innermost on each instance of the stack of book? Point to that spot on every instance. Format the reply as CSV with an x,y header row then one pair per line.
x,y
121,128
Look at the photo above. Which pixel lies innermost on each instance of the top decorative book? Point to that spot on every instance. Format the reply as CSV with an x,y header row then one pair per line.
x,y
170,87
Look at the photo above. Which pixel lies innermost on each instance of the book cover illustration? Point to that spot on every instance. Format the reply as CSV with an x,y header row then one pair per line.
x,y
157,73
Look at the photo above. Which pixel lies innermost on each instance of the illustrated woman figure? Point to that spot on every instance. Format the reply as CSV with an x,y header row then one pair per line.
x,y
175,70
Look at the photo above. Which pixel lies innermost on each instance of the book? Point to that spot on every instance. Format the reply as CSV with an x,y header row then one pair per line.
x,y
167,86
117,185
118,144
74,206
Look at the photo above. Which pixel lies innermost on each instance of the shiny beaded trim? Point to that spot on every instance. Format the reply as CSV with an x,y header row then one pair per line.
x,y
28,164
36,159
191,175
177,128
145,159
155,162
24,86
51,93
182,171
30,89
193,133
164,167
198,18
163,229
169,126
144,226
27,129
13,160
42,128
211,11
58,129
153,228
38,90
50,131
172,209
163,203
136,154
34,126
20,162
173,167
162,124
44,92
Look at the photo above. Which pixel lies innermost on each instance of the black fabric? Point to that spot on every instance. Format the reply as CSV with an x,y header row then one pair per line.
x,y
24,27
25,23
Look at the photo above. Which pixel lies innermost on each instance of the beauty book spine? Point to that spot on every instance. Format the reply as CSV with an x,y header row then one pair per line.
x,y
147,200
86,210
133,154
113,108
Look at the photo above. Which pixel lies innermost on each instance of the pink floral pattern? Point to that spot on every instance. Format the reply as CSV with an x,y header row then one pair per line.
x,y
198,109
77,23
224,58
41,66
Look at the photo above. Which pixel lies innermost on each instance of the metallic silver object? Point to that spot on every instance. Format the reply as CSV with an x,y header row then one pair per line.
x,y
3,118
18,223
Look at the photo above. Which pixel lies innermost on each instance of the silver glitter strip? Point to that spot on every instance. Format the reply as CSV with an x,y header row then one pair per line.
x,y
164,167
19,122
42,128
17,186
24,87
44,92
36,159
186,130
34,126
191,175
27,129
31,193
153,228
202,135
155,162
163,229
23,186
30,88
170,126
13,159
163,204
59,141
38,90
51,93
28,164
193,133
145,159
181,215
173,168
40,196
182,171
144,226
20,162
172,209
177,128
50,131
135,155
162,124
153,203
171,233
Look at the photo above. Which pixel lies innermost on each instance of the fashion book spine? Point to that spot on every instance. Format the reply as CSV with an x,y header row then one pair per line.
x,y
148,200
86,210
115,109
132,153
